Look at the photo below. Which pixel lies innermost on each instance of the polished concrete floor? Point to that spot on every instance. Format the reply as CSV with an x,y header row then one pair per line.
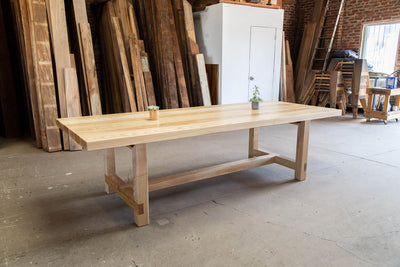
x,y
54,212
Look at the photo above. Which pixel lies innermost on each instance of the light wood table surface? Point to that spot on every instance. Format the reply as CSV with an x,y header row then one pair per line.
x,y
135,130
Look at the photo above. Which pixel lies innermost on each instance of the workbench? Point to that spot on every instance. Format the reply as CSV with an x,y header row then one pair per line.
x,y
371,112
135,130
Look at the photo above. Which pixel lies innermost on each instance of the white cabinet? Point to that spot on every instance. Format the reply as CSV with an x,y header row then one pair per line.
x,y
246,42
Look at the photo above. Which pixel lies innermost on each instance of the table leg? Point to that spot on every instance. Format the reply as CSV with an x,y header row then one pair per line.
x,y
253,141
397,103
303,132
109,166
386,103
140,183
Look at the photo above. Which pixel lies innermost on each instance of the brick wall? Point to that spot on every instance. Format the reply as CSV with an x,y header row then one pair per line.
x,y
290,20
356,13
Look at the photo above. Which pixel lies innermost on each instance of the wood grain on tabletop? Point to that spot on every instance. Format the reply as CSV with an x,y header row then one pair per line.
x,y
114,130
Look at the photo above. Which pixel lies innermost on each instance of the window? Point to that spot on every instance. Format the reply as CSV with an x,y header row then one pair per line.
x,y
380,44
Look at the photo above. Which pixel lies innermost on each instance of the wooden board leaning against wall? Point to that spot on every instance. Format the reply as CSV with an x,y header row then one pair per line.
x,y
58,40
43,41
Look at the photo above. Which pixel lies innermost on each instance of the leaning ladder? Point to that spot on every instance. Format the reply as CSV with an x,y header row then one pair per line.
x,y
322,49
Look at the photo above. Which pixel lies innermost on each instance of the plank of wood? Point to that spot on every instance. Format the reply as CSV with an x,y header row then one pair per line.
x,y
168,66
138,75
135,51
289,75
73,100
213,82
148,80
141,183
112,92
133,22
303,133
44,74
128,97
115,130
303,60
208,172
61,53
92,86
79,15
205,91
282,84
182,40
192,51
20,15
121,12
180,76
25,9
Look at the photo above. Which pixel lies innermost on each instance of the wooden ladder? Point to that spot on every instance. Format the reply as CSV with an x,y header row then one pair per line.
x,y
323,45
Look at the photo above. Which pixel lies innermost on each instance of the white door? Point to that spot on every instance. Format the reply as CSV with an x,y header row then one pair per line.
x,y
262,60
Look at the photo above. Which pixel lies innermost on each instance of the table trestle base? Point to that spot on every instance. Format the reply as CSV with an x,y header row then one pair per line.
x,y
135,194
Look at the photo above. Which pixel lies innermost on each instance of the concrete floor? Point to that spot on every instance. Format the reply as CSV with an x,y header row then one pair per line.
x,y
53,209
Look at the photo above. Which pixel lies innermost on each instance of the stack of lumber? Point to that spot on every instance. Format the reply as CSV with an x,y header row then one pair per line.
x,y
312,30
327,88
49,70
199,5
128,80
347,69
152,60
168,31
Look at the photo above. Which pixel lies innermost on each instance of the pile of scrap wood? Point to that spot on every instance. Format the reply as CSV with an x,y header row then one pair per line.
x,y
152,60
310,39
50,70
327,89
128,80
168,31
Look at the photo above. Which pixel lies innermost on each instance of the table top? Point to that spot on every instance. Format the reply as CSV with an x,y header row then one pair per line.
x,y
115,130
384,91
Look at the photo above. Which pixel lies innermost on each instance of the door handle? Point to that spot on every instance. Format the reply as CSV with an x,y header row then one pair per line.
x,y
251,78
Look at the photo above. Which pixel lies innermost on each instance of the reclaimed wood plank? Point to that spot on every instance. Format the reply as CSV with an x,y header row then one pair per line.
x,y
289,75
127,94
180,76
205,91
72,100
44,74
78,14
92,86
60,47
112,92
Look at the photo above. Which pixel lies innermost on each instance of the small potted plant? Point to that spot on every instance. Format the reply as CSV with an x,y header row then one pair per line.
x,y
256,99
154,112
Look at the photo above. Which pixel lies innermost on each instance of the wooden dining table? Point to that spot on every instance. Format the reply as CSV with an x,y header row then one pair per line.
x,y
135,130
